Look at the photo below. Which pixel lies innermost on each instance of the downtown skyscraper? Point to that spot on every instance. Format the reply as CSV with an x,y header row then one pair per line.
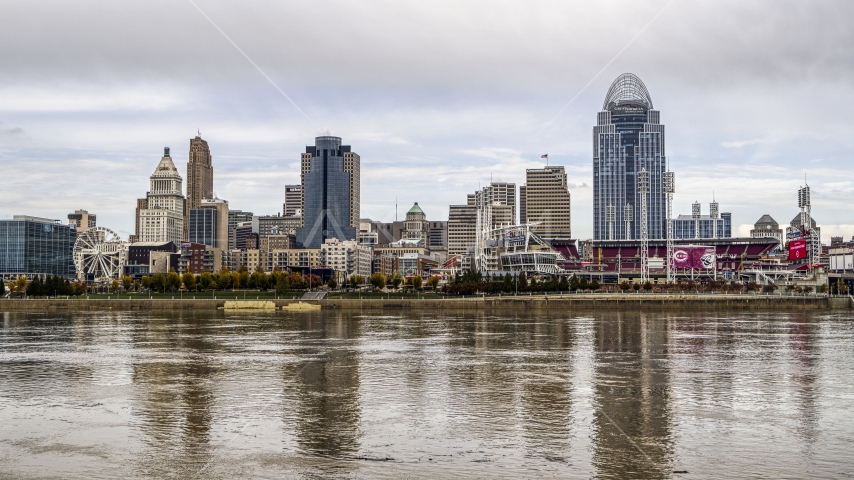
x,y
330,193
627,139
199,178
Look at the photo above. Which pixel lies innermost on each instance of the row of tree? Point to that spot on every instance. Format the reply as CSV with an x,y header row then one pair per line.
x,y
223,280
49,286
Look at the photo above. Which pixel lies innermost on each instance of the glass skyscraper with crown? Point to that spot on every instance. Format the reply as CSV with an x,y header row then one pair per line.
x,y
330,193
626,139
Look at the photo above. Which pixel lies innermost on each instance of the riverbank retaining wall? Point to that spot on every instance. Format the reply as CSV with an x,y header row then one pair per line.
x,y
603,302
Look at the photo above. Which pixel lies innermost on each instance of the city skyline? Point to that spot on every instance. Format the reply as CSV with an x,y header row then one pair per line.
x,y
87,133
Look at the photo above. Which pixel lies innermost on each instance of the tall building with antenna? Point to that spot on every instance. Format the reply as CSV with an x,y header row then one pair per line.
x,y
199,178
627,139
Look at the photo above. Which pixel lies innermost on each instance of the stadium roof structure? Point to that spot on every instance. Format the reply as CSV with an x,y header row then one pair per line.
x,y
627,89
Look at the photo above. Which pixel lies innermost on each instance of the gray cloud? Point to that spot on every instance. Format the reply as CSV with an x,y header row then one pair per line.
x,y
437,97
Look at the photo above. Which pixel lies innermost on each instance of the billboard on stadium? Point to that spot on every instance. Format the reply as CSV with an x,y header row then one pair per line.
x,y
798,249
694,256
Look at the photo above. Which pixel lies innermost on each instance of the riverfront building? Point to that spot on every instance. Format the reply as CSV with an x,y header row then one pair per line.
x,y
33,246
628,138
330,193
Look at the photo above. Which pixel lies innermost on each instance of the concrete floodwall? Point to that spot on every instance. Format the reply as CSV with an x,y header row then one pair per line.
x,y
605,302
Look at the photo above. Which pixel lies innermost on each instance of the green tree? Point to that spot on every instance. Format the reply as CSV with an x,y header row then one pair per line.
x,y
136,285
78,288
332,283
189,281
507,283
594,285
563,285
127,282
173,281
224,279
433,282
114,285
237,279
574,283
378,280
260,280
625,285
158,282
583,284
823,288
34,288
636,286
396,280
522,280
283,283
647,286
356,280
146,282
206,281
417,281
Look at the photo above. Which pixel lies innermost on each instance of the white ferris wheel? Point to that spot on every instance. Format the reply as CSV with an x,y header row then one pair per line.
x,y
99,255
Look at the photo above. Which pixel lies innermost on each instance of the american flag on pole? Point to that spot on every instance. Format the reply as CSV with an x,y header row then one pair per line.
x,y
544,156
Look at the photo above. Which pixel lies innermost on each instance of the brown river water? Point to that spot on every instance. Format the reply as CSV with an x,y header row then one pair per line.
x,y
341,395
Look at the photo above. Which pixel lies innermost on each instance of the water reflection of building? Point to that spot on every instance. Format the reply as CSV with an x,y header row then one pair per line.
x,y
327,410
546,406
174,407
805,355
632,390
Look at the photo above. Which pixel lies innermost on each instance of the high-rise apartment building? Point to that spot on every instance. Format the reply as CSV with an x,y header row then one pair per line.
x,y
162,219
627,139
523,213
330,193
501,193
82,220
462,227
293,200
547,202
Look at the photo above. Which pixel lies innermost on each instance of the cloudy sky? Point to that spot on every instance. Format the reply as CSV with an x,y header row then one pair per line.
x,y
437,97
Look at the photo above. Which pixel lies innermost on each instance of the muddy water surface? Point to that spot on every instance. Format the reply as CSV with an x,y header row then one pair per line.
x,y
332,395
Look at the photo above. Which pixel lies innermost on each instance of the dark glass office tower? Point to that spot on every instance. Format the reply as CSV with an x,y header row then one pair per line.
x,y
330,190
627,138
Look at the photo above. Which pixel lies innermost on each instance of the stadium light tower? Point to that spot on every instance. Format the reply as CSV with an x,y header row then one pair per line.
x,y
611,217
695,213
806,223
669,190
628,213
713,214
643,190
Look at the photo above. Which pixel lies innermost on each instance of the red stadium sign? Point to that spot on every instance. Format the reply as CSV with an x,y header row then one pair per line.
x,y
798,249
